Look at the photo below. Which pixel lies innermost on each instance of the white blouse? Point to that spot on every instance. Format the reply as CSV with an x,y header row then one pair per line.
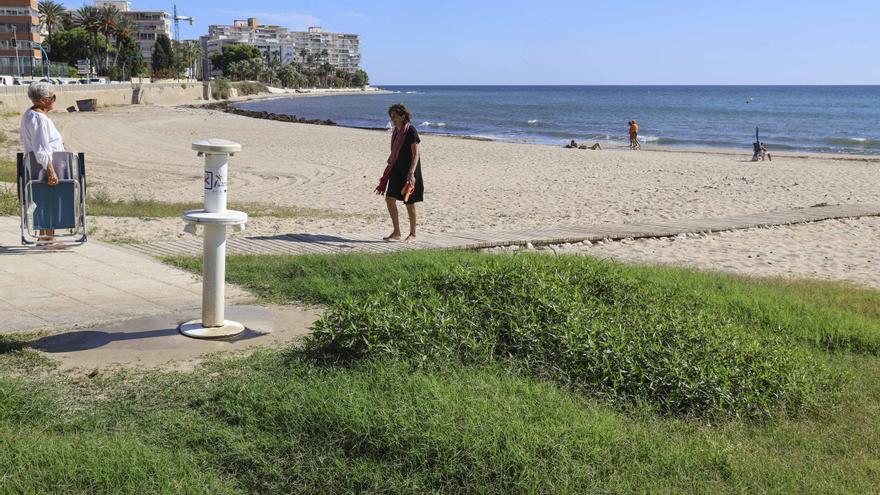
x,y
38,134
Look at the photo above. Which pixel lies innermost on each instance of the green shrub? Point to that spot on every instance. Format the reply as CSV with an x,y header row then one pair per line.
x,y
247,88
587,325
220,89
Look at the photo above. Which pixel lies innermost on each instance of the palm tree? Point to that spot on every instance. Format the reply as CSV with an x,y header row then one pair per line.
x,y
87,17
108,18
190,54
121,31
51,15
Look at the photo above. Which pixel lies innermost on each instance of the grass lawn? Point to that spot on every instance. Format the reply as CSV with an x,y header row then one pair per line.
x,y
470,373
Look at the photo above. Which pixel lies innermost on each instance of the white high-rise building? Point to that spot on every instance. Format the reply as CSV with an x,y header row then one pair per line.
x,y
343,49
275,42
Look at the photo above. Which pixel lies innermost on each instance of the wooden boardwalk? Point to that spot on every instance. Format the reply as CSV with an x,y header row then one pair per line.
x,y
367,243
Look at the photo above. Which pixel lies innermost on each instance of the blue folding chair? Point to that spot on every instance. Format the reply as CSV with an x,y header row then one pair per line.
x,y
61,208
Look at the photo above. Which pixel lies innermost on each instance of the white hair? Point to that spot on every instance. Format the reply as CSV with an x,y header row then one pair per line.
x,y
39,90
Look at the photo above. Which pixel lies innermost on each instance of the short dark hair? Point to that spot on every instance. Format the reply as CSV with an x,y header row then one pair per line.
x,y
400,109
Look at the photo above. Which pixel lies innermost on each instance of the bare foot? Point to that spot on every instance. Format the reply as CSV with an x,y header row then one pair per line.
x,y
410,238
392,237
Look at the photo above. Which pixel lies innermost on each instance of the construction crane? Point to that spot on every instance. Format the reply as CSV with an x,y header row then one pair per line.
x,y
177,19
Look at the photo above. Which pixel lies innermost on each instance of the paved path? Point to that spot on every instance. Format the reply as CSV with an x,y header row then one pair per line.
x,y
87,285
328,244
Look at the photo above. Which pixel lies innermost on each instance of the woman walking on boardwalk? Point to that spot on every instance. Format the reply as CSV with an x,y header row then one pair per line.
x,y
402,180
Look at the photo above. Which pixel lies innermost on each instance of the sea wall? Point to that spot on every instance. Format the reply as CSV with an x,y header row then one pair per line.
x,y
14,98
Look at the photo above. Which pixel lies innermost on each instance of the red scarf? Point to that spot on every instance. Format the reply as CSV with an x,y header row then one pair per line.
x,y
397,139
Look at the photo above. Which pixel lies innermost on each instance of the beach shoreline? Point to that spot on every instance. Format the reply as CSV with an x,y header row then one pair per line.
x,y
699,119
646,146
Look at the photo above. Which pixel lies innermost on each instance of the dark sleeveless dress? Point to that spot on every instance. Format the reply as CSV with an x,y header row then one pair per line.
x,y
401,169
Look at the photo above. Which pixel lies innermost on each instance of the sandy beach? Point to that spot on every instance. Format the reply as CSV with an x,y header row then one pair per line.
x,y
143,152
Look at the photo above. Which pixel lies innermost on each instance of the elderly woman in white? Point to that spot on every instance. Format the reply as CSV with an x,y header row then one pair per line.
x,y
40,137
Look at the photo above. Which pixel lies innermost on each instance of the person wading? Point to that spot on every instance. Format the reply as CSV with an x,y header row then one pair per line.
x,y
402,179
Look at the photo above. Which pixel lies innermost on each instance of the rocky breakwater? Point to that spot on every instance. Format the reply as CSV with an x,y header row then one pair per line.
x,y
280,117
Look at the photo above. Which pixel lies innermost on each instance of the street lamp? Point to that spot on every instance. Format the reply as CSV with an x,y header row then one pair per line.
x,y
42,50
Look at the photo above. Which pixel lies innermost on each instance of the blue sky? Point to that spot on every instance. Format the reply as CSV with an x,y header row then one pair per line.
x,y
583,42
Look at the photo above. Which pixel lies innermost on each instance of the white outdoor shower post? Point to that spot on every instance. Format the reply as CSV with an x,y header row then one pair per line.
x,y
215,218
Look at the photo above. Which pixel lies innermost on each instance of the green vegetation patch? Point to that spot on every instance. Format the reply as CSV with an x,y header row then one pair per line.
x,y
278,422
43,462
99,205
102,206
8,171
220,89
8,200
247,88
582,325
676,341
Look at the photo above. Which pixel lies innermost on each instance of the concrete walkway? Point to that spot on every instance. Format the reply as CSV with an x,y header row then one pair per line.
x,y
330,244
87,285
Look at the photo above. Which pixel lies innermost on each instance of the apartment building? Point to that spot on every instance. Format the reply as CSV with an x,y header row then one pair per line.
x,y
148,24
343,49
273,41
22,57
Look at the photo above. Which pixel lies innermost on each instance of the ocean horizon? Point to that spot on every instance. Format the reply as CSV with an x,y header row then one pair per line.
x,y
819,119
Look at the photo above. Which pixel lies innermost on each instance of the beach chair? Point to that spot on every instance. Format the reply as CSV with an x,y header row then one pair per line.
x,y
61,208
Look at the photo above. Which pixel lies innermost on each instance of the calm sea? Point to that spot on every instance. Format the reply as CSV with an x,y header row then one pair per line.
x,y
827,119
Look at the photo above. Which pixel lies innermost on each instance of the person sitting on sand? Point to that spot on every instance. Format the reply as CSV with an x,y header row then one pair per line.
x,y
634,135
573,145
402,179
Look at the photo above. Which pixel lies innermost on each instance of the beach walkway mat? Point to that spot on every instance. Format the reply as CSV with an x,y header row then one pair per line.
x,y
303,243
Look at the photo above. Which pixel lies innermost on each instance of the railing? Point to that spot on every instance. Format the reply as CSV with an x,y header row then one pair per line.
x,y
35,70
125,86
